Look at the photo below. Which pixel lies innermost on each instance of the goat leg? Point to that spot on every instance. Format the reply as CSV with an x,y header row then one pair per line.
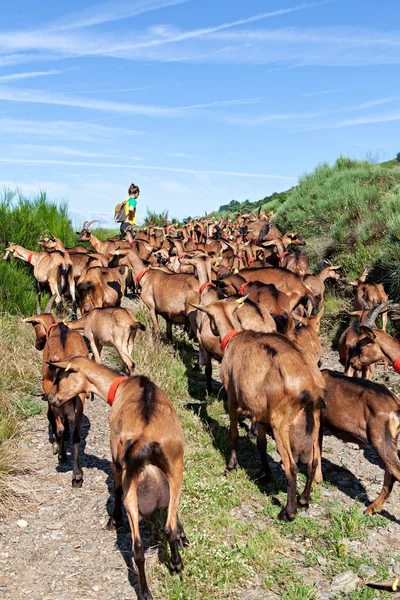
x,y
282,440
53,434
378,504
234,432
262,449
132,509
182,539
77,479
175,477
115,520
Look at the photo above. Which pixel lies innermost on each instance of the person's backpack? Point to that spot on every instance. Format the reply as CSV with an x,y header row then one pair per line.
x,y
120,212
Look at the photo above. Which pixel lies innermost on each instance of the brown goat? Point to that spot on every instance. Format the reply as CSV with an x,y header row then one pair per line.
x,y
49,268
58,342
100,287
370,293
164,294
266,294
376,344
115,327
296,262
264,374
146,445
103,246
284,281
306,336
316,283
365,413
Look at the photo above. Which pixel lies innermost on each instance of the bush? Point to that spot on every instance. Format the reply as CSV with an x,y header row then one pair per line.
x,y
22,221
348,213
398,156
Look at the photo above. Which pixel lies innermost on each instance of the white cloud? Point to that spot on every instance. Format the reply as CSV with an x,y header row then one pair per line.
x,y
111,11
15,76
181,155
71,151
140,167
76,130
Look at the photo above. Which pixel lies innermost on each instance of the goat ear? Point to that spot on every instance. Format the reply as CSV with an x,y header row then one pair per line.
x,y
368,332
33,320
355,282
319,315
65,365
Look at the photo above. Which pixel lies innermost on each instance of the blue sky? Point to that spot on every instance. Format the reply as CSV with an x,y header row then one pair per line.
x,y
196,101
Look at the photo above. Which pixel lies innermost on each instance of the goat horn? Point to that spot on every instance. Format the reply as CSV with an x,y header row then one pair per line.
x,y
328,262
50,303
373,313
91,223
365,305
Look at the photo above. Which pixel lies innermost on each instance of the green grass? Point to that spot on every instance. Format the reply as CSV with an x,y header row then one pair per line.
x,y
22,221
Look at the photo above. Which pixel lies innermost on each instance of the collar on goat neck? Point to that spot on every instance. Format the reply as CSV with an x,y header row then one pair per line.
x,y
251,260
113,389
49,329
95,243
241,289
131,243
30,255
228,337
396,364
141,273
282,256
205,285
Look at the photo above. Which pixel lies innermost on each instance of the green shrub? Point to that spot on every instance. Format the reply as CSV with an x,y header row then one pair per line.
x,y
22,221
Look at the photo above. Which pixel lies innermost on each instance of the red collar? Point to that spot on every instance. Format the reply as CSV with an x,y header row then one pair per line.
x,y
113,389
49,329
227,337
241,289
140,275
396,364
131,243
95,244
206,284
239,256
251,260
181,255
29,257
282,256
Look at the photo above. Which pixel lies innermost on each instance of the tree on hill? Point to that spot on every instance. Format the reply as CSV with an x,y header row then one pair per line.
x,y
398,156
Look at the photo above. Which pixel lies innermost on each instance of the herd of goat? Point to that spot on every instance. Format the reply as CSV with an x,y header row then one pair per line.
x,y
254,306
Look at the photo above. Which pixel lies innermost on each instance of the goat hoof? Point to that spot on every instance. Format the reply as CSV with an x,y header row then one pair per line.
x,y
371,510
176,568
56,448
184,541
112,524
62,458
285,516
304,503
77,483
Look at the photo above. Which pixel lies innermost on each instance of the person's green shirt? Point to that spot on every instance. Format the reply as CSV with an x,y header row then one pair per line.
x,y
130,207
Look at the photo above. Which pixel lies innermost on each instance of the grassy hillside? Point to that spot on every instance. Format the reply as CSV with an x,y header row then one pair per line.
x,y
349,213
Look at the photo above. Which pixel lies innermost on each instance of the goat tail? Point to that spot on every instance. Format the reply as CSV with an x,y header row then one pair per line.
x,y
137,326
62,279
135,459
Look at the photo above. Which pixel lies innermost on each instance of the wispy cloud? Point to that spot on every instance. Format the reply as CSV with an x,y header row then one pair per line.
x,y
28,75
378,102
37,96
328,92
111,11
71,130
181,155
70,151
140,167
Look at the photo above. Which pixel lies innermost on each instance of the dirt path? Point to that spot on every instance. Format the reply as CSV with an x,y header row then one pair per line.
x,y
65,552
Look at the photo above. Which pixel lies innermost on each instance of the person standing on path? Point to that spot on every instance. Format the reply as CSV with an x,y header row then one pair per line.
x,y
130,207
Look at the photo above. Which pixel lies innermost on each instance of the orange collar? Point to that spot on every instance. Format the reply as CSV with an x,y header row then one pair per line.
x,y
396,364
206,284
181,255
113,389
95,244
49,329
29,259
140,275
131,243
282,256
251,260
241,289
239,256
227,337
